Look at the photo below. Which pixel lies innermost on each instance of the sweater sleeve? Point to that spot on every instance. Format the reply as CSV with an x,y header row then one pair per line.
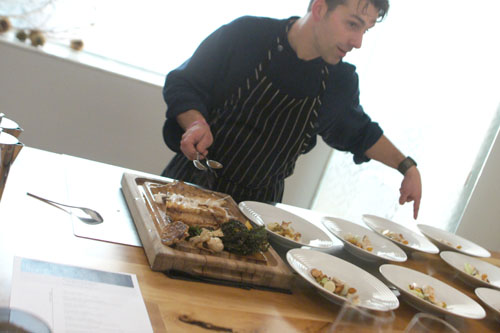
x,y
343,124
191,85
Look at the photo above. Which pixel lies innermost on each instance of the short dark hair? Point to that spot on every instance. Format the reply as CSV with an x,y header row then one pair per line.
x,y
381,5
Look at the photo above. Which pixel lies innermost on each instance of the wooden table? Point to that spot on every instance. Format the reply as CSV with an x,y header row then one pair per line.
x,y
32,229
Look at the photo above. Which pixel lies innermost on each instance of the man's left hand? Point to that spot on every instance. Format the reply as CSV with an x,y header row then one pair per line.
x,y
411,189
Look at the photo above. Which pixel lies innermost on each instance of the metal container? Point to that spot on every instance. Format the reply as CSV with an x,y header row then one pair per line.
x,y
9,149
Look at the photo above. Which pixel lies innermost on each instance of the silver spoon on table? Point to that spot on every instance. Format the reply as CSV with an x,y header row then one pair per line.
x,y
91,216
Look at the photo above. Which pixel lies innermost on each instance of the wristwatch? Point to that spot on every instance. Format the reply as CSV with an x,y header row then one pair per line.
x,y
407,163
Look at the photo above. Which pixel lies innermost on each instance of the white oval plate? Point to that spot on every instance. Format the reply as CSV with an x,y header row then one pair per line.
x,y
439,236
373,294
491,298
264,214
383,249
457,303
416,242
457,261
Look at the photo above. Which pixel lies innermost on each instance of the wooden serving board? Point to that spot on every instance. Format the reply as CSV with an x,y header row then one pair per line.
x,y
268,271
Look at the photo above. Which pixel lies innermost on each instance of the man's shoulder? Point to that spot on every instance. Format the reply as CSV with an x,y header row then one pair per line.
x,y
342,79
255,26
257,22
252,32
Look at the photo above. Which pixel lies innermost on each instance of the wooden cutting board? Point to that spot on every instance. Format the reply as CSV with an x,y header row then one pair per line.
x,y
267,270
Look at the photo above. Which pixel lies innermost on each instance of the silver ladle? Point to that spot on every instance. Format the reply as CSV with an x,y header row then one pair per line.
x,y
91,216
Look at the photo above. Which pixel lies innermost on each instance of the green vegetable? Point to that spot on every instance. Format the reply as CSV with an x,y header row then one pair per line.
x,y
194,231
239,240
417,293
469,269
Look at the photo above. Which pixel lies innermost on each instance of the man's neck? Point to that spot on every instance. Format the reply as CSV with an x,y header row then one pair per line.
x,y
301,39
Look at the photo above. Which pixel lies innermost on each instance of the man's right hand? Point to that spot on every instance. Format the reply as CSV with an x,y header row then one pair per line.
x,y
197,136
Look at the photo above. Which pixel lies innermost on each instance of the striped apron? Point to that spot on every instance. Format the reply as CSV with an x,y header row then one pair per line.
x,y
259,132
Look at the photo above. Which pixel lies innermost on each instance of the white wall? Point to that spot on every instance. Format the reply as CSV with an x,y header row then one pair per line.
x,y
68,107
481,220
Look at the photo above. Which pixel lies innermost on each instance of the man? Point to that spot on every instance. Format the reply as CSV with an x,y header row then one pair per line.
x,y
258,91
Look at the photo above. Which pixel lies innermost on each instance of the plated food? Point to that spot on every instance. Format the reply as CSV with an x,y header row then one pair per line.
x,y
335,285
491,298
472,270
427,293
395,236
371,293
363,242
448,241
285,229
268,215
408,239
457,303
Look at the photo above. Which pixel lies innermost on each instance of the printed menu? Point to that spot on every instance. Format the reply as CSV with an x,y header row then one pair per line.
x,y
71,298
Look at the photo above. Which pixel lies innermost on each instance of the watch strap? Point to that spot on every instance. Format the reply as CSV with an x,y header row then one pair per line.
x,y
407,163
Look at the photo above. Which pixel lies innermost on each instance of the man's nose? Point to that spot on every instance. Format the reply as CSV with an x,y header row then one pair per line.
x,y
357,40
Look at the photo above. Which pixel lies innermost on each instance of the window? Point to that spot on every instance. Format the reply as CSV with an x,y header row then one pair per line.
x,y
429,74
155,36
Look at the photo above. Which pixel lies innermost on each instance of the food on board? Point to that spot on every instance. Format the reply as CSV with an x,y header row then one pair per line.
x,y
193,206
204,220
208,240
285,229
240,240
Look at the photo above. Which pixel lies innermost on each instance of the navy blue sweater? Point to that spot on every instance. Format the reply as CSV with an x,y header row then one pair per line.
x,y
230,54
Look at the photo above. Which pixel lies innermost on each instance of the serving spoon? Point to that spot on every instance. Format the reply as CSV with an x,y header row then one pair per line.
x,y
211,164
91,216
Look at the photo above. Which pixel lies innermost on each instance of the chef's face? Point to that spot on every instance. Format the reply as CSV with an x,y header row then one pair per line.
x,y
338,31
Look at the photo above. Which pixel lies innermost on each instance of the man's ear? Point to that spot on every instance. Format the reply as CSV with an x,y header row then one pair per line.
x,y
318,9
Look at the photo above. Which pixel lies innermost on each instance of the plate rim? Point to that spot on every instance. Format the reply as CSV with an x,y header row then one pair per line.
x,y
327,219
432,306
468,276
410,248
291,253
426,234
479,290
290,242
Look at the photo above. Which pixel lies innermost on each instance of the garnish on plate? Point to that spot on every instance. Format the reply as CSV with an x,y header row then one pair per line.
x,y
285,229
471,270
335,285
361,242
426,293
451,244
395,236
